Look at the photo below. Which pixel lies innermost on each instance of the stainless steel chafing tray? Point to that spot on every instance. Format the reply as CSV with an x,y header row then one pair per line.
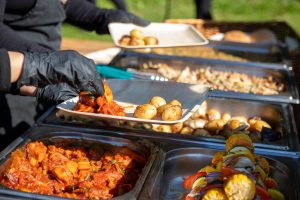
x,y
215,50
283,73
165,180
50,135
279,116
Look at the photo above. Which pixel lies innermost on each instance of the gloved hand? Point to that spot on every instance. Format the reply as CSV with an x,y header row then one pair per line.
x,y
59,75
119,16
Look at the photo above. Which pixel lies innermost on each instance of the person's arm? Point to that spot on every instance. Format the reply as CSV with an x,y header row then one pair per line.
x,y
51,77
5,71
86,15
11,40
11,66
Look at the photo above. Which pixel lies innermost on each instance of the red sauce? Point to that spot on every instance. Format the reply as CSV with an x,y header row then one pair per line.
x,y
72,172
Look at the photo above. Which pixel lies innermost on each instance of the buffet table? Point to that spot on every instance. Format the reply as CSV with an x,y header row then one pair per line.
x,y
165,157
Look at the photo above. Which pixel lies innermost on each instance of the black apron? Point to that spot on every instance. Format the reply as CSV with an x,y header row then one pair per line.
x,y
41,25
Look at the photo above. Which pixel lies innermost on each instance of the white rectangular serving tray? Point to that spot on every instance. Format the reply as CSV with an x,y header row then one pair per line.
x,y
168,35
131,93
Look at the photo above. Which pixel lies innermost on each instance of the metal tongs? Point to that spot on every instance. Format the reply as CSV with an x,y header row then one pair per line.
x,y
115,72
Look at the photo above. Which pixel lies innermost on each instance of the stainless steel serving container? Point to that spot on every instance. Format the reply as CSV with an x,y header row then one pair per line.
x,y
165,180
231,51
262,48
284,73
48,134
279,116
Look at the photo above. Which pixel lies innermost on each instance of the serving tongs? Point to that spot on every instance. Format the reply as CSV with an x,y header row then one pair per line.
x,y
115,72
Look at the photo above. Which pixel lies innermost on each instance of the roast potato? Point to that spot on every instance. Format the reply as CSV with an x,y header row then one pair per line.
x,y
150,40
172,113
213,114
137,34
136,42
175,102
225,116
162,108
125,40
145,111
157,101
163,128
201,132
258,126
240,118
215,125
186,130
176,128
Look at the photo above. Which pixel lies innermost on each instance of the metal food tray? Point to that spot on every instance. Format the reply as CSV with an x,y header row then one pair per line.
x,y
225,52
49,134
209,28
270,53
263,48
284,73
165,180
279,116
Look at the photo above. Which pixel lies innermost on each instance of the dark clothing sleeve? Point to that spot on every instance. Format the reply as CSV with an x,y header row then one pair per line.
x,y
86,15
11,40
5,71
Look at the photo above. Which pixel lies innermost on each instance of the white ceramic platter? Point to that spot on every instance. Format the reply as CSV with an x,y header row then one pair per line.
x,y
168,35
131,93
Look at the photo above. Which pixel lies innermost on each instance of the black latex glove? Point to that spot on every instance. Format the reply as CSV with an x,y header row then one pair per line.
x,y
86,15
119,16
59,75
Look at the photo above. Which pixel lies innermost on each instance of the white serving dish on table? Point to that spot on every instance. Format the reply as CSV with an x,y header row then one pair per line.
x,y
168,35
131,93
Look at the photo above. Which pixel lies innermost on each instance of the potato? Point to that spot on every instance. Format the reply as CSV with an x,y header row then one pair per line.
x,y
201,112
137,34
136,42
172,113
234,124
215,125
145,111
186,130
258,126
175,102
240,118
150,40
253,120
213,114
164,128
125,40
225,116
176,128
201,132
157,101
195,123
162,108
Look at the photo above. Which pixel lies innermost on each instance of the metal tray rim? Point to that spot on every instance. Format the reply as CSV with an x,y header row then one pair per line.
x,y
156,177
132,194
285,69
288,124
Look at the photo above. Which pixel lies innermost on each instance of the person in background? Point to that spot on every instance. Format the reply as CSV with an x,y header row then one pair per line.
x,y
35,26
203,8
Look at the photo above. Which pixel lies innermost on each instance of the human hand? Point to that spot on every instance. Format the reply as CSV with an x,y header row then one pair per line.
x,y
59,75
121,16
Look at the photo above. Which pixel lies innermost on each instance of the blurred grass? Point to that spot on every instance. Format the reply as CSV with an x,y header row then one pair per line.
x,y
225,10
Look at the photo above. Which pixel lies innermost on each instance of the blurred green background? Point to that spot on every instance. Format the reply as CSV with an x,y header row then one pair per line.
x,y
225,10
